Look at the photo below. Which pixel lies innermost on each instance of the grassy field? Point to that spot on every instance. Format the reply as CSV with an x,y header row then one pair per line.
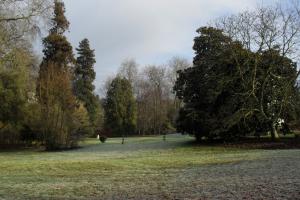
x,y
148,168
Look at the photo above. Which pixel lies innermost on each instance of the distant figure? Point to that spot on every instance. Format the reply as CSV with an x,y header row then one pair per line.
x,y
98,136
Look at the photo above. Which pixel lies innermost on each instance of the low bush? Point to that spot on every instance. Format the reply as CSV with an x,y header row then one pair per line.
x,y
102,138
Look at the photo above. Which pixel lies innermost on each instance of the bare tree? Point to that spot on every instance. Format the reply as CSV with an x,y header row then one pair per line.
x,y
20,20
174,65
129,70
24,10
157,106
105,86
266,28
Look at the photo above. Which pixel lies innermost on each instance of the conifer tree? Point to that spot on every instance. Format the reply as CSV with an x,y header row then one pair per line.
x,y
120,108
54,89
84,78
56,46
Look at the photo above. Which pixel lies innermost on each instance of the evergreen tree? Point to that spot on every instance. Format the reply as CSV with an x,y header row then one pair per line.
x,y
84,78
120,108
57,49
207,89
55,85
231,91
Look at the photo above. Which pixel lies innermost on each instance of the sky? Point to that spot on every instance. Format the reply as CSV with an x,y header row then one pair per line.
x,y
150,31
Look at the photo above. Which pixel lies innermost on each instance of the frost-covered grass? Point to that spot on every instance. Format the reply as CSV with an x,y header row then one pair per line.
x,y
142,168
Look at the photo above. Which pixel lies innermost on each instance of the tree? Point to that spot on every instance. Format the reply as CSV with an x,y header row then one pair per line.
x,y
84,78
156,104
20,21
23,10
22,18
54,88
81,122
222,99
129,70
156,76
205,88
58,105
12,107
266,28
175,65
277,92
120,108
14,80
273,34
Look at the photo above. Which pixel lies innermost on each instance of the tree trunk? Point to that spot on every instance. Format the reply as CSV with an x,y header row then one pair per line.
x,y
274,133
123,139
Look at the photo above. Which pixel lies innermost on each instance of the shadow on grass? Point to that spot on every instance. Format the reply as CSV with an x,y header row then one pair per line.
x,y
172,142
254,143
139,144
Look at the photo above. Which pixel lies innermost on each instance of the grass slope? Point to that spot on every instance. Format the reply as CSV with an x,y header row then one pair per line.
x,y
148,168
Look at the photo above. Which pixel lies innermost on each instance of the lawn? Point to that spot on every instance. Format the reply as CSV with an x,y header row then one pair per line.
x,y
149,168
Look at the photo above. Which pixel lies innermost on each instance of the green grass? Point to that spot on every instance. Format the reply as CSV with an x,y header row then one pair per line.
x,y
143,165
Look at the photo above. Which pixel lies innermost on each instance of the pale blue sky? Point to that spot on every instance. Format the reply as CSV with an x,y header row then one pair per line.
x,y
151,31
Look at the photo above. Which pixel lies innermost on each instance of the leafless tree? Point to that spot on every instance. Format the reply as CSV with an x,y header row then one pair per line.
x,y
129,70
266,28
20,21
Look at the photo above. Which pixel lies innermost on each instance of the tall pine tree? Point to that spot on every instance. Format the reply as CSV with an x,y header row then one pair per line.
x,y
84,78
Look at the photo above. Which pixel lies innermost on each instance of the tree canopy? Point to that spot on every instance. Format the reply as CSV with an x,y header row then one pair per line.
x,y
229,88
120,108
85,75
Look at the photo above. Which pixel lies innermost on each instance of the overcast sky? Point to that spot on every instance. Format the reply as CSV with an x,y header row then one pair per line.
x,y
151,31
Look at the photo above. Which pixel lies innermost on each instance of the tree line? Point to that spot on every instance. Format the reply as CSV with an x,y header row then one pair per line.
x,y
243,81
144,97
52,102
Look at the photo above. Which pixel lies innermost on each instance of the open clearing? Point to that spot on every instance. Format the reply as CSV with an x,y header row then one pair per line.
x,y
148,168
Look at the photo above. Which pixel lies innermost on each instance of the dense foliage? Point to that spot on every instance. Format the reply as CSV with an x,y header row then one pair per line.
x,y
83,83
231,91
243,81
38,104
17,70
54,88
120,108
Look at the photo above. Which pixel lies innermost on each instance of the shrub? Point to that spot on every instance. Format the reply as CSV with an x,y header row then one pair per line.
x,y
102,138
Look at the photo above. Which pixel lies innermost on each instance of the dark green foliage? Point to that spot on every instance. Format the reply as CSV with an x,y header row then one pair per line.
x,y
208,89
102,138
231,92
120,108
277,91
84,78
